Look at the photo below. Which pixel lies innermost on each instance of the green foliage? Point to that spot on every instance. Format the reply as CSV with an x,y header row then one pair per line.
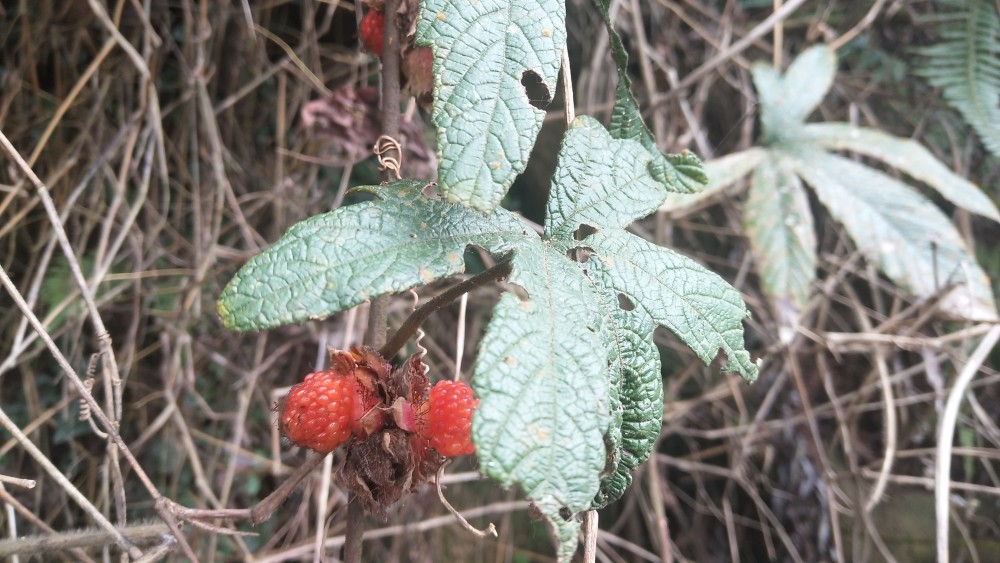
x,y
899,229
966,65
558,370
780,225
486,124
681,173
340,259
567,373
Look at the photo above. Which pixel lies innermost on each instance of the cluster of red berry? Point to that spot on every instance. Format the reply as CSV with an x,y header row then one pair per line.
x,y
328,407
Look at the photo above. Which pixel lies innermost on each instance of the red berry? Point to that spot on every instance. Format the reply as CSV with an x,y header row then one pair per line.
x,y
448,421
319,413
370,31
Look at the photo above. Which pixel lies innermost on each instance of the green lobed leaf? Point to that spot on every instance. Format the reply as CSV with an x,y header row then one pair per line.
x,y
485,122
694,303
681,173
339,259
599,181
542,379
905,155
779,225
538,429
906,235
636,387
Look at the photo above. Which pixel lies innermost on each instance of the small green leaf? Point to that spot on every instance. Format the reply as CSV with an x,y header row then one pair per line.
x,y
779,224
905,155
599,181
787,100
486,124
906,235
339,259
542,379
680,173
697,305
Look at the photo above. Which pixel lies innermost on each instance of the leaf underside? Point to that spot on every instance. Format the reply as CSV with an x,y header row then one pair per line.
x,y
905,155
486,124
906,235
787,99
779,224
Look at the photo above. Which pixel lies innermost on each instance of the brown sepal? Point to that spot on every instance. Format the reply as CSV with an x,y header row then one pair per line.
x,y
392,461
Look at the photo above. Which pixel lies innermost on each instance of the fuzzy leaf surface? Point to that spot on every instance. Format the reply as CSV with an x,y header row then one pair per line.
x,y
722,172
779,224
904,233
567,374
694,303
486,124
599,181
339,259
541,376
907,156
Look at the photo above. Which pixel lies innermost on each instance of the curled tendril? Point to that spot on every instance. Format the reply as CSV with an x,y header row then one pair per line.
x,y
421,351
390,154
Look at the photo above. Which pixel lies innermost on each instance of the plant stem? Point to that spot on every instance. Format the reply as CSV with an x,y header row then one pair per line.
x,y
376,332
413,322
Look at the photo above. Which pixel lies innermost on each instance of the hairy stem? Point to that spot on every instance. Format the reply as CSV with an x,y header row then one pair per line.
x,y
376,331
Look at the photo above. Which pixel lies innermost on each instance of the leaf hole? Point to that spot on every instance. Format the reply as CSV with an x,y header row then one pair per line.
x,y
583,231
624,303
579,254
536,90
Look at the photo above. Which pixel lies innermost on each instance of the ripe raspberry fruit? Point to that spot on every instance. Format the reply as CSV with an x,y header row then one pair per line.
x,y
319,413
370,31
447,423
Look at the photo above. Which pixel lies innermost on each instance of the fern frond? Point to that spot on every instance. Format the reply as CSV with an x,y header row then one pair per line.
x,y
966,66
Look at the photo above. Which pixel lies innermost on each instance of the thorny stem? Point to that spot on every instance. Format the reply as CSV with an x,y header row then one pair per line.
x,y
413,322
377,319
